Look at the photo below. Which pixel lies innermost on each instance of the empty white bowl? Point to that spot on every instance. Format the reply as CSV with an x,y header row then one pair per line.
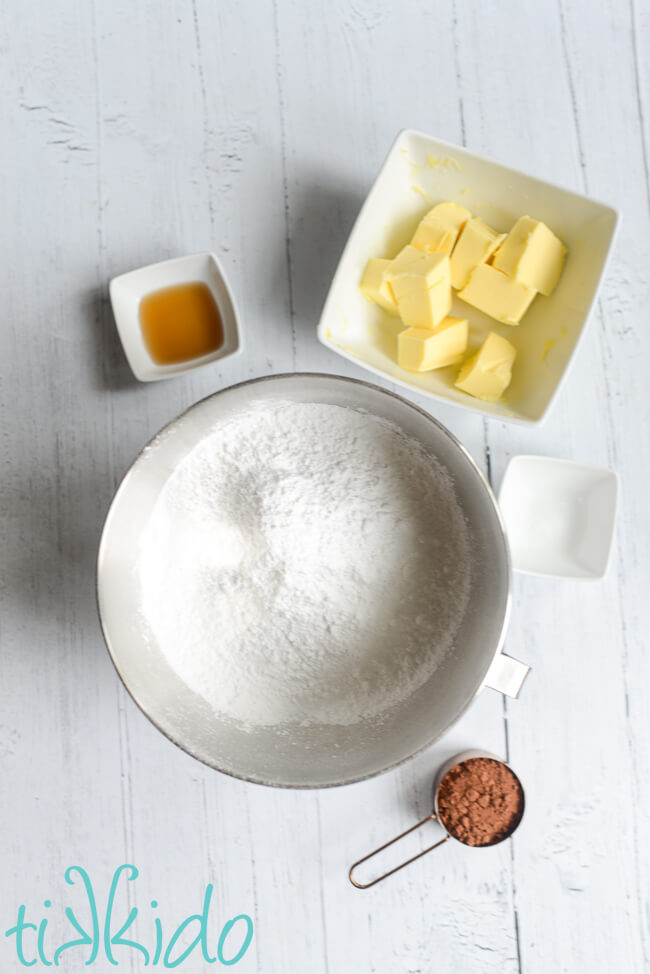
x,y
559,516
419,172
128,290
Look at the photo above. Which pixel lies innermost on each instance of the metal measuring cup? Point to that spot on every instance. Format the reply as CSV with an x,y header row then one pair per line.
x,y
435,816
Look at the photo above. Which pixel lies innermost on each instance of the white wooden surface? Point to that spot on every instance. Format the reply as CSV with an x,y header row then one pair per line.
x,y
133,132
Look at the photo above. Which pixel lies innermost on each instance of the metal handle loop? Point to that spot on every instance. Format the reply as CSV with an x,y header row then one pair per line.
x,y
429,818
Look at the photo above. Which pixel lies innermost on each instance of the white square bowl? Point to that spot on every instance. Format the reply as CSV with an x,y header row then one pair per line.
x,y
128,290
559,516
419,172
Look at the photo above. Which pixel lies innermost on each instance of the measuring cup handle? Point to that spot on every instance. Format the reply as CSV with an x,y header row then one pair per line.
x,y
429,818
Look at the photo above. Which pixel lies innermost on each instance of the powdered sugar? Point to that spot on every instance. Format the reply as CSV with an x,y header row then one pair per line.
x,y
305,563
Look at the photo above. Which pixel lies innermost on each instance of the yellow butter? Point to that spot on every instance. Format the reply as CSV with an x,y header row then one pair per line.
x,y
497,295
487,374
423,349
476,243
439,229
532,255
376,288
420,283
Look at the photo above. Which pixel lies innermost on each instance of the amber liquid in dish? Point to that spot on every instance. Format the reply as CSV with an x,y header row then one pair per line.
x,y
180,323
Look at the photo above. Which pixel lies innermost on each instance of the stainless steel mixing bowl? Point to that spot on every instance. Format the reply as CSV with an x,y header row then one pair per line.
x,y
321,755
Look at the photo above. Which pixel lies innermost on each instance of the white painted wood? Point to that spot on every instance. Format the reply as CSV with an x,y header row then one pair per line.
x,y
136,132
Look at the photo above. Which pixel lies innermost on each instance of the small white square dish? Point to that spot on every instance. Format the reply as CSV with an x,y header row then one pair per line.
x,y
559,516
419,172
128,290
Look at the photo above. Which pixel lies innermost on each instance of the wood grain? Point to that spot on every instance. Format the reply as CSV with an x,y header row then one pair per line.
x,y
134,133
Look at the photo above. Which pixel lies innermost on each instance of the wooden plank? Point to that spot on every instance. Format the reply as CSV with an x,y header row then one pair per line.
x,y
467,919
133,134
570,726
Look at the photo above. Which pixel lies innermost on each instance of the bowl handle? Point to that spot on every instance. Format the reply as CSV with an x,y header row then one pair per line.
x,y
506,675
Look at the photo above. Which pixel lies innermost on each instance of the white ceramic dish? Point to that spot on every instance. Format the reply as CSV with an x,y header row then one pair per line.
x,y
559,516
127,291
420,171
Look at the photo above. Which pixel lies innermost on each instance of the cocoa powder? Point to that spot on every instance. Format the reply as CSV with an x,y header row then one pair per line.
x,y
480,801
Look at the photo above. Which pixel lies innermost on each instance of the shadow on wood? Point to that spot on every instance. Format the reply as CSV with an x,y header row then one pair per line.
x,y
112,370
50,551
322,209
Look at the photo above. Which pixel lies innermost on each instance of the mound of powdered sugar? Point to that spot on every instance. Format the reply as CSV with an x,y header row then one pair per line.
x,y
305,563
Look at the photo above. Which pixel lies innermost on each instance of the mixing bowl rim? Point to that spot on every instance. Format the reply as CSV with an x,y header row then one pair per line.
x,y
260,380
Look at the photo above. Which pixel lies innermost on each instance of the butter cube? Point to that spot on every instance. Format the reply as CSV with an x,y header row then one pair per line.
x,y
532,255
439,229
420,283
376,288
477,243
487,374
423,349
497,295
